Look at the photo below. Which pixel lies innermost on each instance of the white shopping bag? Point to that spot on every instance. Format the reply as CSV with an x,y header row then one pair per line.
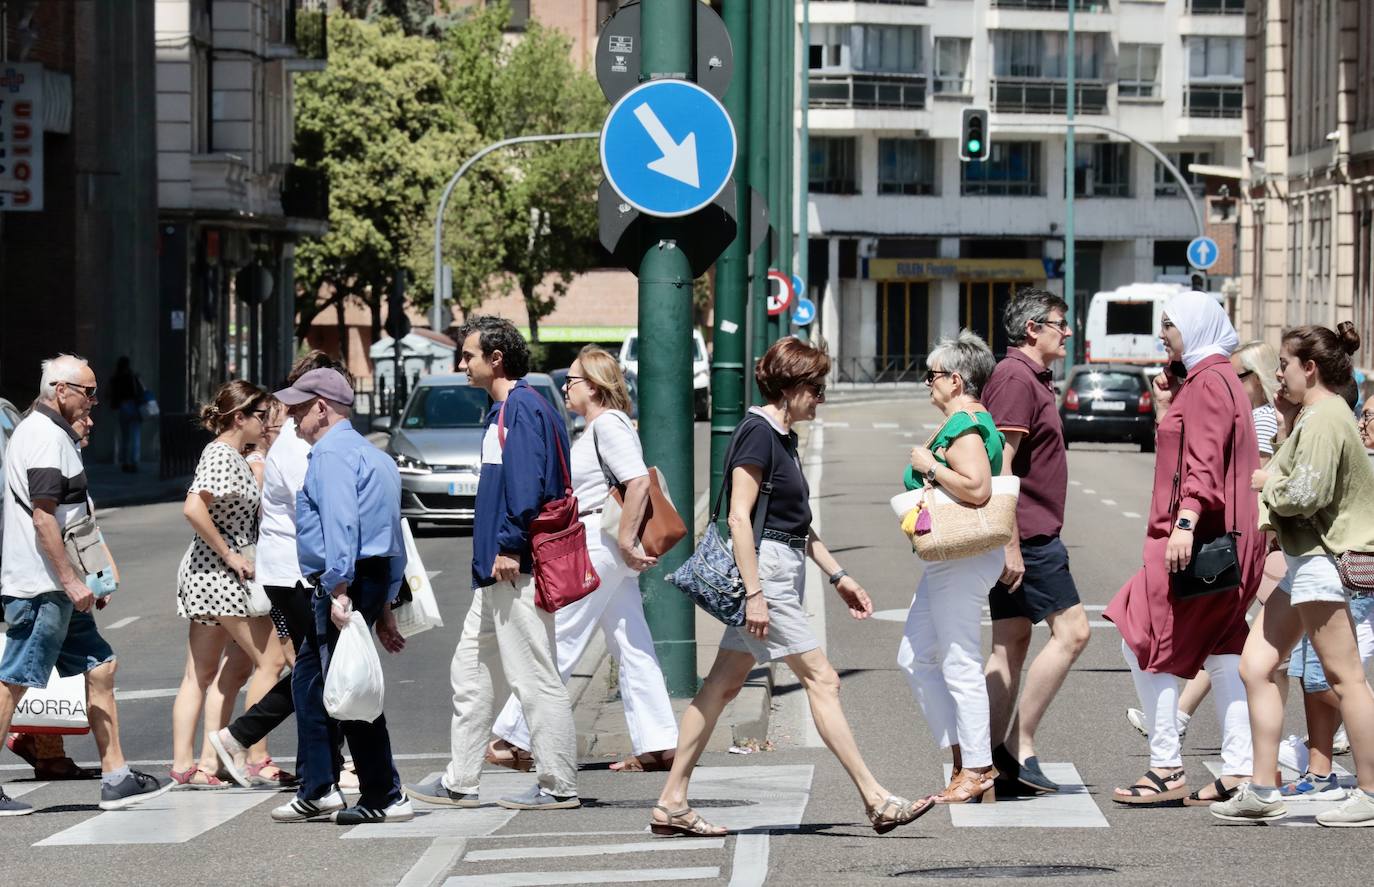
x,y
353,687
59,707
421,612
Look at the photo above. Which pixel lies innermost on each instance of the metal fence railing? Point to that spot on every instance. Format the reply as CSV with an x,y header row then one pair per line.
x,y
876,370
1038,96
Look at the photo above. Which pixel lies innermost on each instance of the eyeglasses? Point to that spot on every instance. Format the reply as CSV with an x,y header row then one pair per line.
x,y
1365,418
88,390
931,375
569,381
1061,325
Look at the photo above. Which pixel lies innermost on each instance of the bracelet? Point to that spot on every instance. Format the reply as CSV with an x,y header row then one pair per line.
x,y
748,595
836,576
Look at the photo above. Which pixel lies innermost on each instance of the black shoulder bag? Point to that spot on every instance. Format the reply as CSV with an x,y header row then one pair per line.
x,y
1215,567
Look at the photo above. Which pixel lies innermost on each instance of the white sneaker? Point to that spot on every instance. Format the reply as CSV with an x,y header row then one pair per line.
x,y
1136,717
1340,745
1293,754
1246,806
401,811
299,810
1356,811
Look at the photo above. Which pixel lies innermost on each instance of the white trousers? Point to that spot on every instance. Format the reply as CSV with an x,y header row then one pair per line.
x,y
507,647
942,652
617,609
1159,700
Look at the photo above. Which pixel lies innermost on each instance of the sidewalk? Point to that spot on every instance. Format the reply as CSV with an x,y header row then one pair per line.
x,y
595,693
111,487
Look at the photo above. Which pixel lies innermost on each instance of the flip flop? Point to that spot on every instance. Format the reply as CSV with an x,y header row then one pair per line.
x,y
1157,794
658,762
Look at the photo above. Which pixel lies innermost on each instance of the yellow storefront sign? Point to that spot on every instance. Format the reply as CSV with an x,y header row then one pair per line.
x,y
954,269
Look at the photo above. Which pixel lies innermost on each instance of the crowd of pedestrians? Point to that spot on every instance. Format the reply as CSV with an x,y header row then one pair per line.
x,y
1263,491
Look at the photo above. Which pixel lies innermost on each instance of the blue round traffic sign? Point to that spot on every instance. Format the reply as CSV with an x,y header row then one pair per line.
x,y
805,313
668,148
1202,253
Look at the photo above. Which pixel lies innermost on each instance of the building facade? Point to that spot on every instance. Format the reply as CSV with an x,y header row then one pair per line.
x,y
78,214
231,203
909,243
1307,242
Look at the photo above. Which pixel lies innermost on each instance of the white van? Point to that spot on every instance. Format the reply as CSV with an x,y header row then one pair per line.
x,y
701,369
1123,324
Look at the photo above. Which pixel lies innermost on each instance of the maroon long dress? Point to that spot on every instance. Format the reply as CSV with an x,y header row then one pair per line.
x,y
1169,636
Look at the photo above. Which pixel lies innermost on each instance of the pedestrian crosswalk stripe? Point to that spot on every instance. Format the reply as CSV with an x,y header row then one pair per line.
x,y
432,821
604,876
1070,807
127,620
560,851
174,818
885,426
1302,812
750,867
19,789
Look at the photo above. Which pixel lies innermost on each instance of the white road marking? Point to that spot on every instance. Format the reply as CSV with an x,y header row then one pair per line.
x,y
1070,807
829,424
929,426
1088,492
174,818
19,789
1130,514
1302,812
750,867
558,852
433,573
131,695
432,821
1074,483
409,756
605,876
885,426
1108,501
436,862
127,620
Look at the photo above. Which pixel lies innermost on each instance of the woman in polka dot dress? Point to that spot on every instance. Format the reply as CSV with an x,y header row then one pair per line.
x,y
222,508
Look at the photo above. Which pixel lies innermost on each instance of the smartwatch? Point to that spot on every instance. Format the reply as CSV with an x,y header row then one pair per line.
x,y
930,474
1184,524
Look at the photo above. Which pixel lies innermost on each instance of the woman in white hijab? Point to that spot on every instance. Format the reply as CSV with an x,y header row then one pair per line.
x,y
1199,495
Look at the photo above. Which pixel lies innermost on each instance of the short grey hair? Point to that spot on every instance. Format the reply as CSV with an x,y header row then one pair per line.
x,y
1029,305
62,368
968,356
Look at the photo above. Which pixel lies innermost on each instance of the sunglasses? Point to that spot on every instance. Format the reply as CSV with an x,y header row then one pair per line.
x,y
932,375
88,390
817,389
1061,325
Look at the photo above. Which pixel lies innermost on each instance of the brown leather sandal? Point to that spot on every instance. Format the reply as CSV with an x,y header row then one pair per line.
x,y
512,758
901,812
1153,790
649,762
684,822
970,787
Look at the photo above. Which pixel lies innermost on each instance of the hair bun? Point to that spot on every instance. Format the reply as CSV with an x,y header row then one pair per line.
x,y
1350,340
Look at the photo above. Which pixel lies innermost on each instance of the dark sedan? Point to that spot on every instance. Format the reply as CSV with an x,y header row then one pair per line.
x,y
1105,403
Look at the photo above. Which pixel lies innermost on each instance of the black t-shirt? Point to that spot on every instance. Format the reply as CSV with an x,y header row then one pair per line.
x,y
756,442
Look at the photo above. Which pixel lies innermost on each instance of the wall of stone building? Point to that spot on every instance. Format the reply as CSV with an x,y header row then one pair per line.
x,y
81,275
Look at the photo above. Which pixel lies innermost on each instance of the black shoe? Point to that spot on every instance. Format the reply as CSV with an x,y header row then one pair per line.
x,y
401,811
1033,778
1008,768
137,786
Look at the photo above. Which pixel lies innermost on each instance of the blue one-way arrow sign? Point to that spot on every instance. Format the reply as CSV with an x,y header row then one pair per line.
x,y
1202,253
668,148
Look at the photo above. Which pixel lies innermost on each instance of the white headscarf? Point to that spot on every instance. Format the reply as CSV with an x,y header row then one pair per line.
x,y
1205,327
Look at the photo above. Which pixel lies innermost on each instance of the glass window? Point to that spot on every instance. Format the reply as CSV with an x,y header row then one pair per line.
x,y
1216,59
1102,169
951,65
827,44
1012,169
1130,318
906,166
1167,186
447,406
885,48
1097,380
1138,70
1044,54
833,165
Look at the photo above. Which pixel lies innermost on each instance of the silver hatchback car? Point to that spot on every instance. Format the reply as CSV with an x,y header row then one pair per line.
x,y
438,446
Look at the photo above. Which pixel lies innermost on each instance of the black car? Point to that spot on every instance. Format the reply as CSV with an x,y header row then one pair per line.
x,y
1108,403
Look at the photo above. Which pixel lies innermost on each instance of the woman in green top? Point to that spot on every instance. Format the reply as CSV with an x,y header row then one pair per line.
x,y
941,650
1319,494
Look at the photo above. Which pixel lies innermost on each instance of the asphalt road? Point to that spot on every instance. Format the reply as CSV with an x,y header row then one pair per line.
x,y
806,821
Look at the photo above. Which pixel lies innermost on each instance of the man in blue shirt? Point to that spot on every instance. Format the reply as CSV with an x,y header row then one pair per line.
x,y
507,642
349,542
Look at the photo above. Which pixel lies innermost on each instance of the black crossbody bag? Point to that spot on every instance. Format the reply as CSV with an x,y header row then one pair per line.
x,y
1215,566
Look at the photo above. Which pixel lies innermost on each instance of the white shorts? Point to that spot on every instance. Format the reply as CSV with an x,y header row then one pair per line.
x,y
1311,578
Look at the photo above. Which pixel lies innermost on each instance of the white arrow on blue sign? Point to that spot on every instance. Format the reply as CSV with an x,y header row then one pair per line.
x,y
1202,253
805,313
668,148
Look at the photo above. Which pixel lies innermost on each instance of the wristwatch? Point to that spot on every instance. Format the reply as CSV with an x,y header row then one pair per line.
x,y
1184,524
930,474
836,576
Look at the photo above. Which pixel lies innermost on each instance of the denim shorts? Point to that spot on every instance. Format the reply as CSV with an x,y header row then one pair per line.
x,y
46,631
1311,578
1304,662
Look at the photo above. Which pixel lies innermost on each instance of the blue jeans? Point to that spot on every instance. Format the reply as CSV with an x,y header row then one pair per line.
x,y
1304,662
46,631
130,433
317,734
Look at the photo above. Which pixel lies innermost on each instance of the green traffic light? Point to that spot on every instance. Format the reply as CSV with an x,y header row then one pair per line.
x,y
975,146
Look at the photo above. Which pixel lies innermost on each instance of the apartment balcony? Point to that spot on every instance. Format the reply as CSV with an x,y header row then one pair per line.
x,y
879,2
220,183
1213,100
1054,5
1039,96
1216,7
898,91
300,34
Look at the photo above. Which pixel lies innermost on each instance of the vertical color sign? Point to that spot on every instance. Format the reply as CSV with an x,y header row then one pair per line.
x,y
21,138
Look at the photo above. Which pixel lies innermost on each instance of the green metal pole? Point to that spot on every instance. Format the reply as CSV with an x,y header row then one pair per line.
x,y
665,370
777,140
732,270
759,154
1070,293
787,71
803,173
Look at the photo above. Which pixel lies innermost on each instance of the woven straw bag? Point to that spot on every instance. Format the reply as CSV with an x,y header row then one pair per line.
x,y
957,529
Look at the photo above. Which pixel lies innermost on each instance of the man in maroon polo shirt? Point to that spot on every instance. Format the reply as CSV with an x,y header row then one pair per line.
x,y
1036,584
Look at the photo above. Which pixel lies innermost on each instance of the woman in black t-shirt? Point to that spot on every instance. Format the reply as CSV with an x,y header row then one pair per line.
x,y
763,464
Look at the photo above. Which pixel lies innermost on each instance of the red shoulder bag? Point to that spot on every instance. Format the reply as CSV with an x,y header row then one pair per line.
x,y
563,571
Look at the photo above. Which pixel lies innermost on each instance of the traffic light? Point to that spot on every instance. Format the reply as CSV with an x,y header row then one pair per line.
x,y
973,135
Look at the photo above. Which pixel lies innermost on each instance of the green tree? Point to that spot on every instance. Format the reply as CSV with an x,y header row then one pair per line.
x,y
377,122
544,194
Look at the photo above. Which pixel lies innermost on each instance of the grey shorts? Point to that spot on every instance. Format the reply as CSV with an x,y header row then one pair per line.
x,y
782,572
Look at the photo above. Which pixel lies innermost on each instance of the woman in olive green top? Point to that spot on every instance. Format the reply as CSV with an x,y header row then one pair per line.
x,y
941,649
1318,492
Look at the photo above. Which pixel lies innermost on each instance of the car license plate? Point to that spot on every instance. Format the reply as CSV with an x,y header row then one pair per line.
x,y
1109,406
462,488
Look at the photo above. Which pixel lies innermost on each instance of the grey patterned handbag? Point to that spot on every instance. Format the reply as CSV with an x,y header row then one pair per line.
x,y
710,577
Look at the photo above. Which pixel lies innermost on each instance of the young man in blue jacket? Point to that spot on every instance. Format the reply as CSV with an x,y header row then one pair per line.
x,y
507,644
